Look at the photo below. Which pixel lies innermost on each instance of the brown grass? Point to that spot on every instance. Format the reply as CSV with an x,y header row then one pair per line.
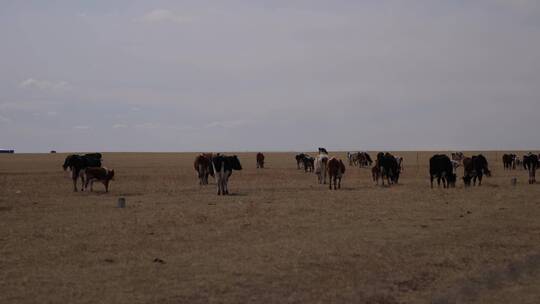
x,y
280,238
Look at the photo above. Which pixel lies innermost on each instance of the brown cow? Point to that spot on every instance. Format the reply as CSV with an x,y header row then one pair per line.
x,y
100,174
260,160
336,169
203,166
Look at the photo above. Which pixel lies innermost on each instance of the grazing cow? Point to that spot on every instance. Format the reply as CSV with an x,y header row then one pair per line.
x,y
474,168
102,175
309,163
223,167
76,163
440,166
530,163
321,163
388,168
336,169
509,161
300,159
361,159
260,160
203,166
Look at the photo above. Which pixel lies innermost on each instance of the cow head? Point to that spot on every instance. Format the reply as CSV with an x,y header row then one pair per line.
x,y
68,162
236,163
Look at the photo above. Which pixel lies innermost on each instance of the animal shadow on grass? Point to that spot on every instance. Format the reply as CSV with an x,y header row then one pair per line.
x,y
237,194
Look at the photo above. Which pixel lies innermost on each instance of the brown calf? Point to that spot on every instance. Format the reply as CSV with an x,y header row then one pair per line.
x,y
102,175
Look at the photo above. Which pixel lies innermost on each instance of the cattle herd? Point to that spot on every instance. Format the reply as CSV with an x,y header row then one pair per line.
x,y
386,168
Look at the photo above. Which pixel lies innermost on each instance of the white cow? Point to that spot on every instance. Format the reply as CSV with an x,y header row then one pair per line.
x,y
321,163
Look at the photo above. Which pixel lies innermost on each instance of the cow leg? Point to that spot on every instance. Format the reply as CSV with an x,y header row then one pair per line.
x,y
218,183
480,180
86,183
107,186
431,178
339,183
226,185
82,180
92,185
74,176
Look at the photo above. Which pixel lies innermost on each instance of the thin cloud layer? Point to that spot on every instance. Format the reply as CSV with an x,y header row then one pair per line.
x,y
164,15
32,83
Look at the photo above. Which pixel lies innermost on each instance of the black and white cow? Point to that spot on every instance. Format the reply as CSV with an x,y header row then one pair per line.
x,y
223,167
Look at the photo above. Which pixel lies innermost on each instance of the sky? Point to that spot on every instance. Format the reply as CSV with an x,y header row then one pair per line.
x,y
248,75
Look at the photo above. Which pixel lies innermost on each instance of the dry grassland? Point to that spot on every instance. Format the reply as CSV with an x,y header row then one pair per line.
x,y
280,238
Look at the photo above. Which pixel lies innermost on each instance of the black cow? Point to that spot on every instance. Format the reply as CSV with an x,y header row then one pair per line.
x,y
441,167
76,163
530,163
509,161
309,163
474,168
388,168
223,167
300,159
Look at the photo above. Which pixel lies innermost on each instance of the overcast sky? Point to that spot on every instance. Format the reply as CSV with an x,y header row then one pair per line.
x,y
269,75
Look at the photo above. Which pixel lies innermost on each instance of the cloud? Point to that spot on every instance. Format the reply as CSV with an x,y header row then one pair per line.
x,y
164,15
32,83
147,125
227,124
4,119
119,126
81,127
